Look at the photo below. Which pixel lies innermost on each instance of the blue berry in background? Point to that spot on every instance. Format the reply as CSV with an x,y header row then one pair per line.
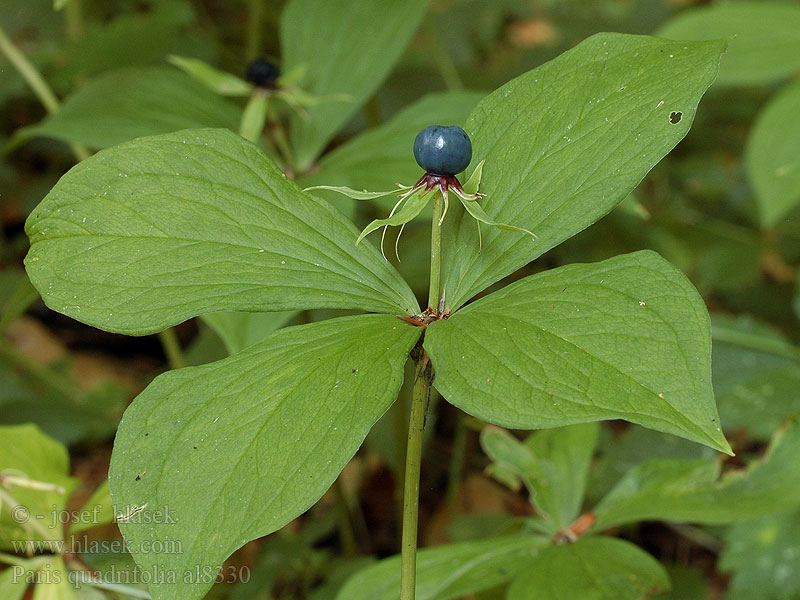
x,y
443,150
262,73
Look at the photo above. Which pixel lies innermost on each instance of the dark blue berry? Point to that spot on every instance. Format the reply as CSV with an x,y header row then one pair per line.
x,y
262,73
443,150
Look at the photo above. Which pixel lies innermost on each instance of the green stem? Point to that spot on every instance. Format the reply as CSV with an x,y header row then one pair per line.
x,y
280,141
347,534
435,293
172,348
73,17
416,425
457,460
447,68
255,21
37,83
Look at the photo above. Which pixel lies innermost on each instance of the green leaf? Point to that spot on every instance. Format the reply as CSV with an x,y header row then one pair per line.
x,y
236,449
150,233
221,82
239,330
766,45
54,582
34,488
627,338
450,571
620,453
568,141
129,103
764,557
564,455
554,465
756,375
16,295
600,568
97,511
382,156
13,580
773,154
349,48
688,490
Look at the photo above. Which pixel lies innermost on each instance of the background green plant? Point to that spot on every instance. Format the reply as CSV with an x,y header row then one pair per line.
x,y
736,245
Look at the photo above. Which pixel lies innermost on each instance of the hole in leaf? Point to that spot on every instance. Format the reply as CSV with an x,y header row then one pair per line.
x,y
675,117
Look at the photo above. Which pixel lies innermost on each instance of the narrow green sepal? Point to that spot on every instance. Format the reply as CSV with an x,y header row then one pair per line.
x,y
474,181
474,209
221,82
413,206
354,194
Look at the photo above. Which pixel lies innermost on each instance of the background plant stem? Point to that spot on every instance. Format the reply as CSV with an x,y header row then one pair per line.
x,y
255,20
172,348
73,18
37,83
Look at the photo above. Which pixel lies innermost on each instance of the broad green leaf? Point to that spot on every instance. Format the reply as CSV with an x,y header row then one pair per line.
x,y
688,490
16,295
596,568
620,453
449,571
383,156
13,583
155,231
54,582
626,338
565,455
236,449
567,142
765,44
554,465
121,105
239,330
348,48
756,375
221,82
765,559
34,488
688,583
773,154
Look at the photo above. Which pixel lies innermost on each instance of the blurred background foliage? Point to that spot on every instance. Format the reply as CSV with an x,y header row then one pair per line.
x,y
723,207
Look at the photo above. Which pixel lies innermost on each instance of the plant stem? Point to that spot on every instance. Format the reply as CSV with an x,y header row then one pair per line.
x,y
416,425
347,534
37,83
280,141
457,463
172,348
73,17
255,20
447,68
435,293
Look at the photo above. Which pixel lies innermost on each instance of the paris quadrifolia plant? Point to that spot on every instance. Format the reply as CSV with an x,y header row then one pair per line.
x,y
149,233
